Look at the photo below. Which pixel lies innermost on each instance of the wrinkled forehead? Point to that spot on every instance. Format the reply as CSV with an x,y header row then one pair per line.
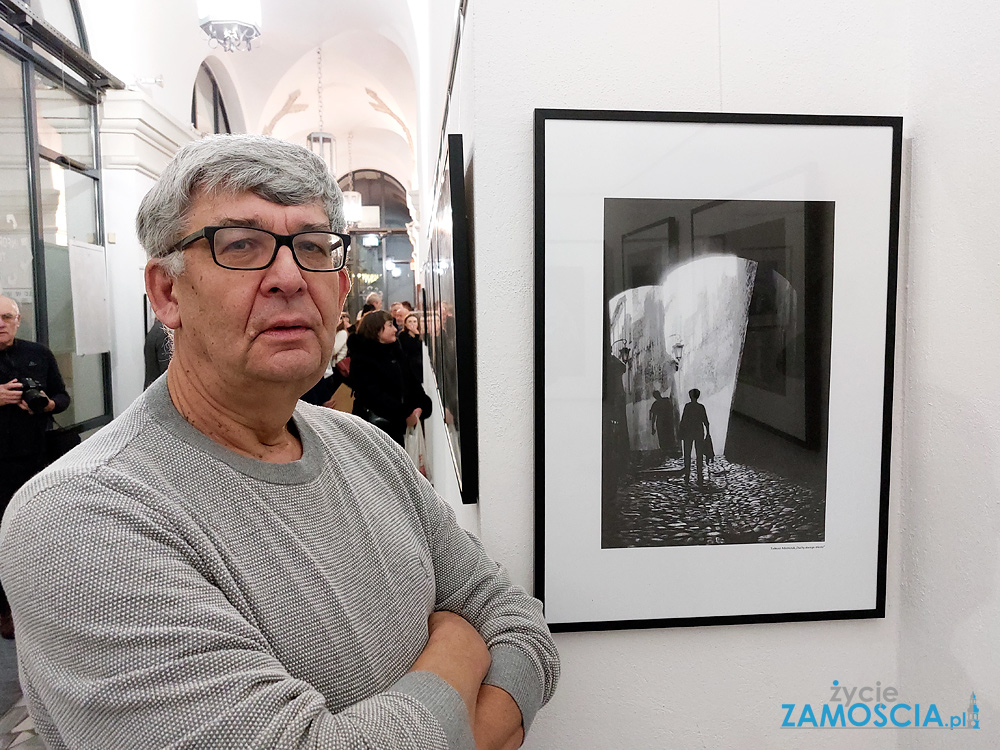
x,y
7,306
245,206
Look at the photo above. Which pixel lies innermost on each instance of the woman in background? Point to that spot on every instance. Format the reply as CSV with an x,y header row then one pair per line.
x,y
321,393
385,391
413,348
340,340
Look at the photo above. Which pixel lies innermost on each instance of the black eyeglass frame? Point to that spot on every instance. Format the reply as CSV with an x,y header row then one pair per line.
x,y
280,240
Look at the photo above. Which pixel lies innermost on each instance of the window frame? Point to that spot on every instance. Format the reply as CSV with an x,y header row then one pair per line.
x,y
35,31
218,103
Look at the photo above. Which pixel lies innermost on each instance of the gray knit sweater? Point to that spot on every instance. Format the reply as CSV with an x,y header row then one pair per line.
x,y
170,593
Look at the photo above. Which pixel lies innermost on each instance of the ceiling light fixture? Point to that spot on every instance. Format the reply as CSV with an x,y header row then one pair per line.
x,y
352,198
321,143
231,24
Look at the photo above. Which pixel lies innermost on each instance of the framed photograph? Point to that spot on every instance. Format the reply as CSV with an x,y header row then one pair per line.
x,y
714,356
451,318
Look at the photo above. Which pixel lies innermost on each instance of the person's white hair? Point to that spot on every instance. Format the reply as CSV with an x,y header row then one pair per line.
x,y
276,170
17,308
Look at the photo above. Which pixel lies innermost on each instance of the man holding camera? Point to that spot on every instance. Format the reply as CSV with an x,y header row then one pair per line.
x,y
31,389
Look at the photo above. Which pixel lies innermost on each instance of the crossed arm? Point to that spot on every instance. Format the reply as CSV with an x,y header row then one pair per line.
x,y
165,615
457,654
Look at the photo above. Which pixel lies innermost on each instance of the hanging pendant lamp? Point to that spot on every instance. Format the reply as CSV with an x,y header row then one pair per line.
x,y
352,198
320,142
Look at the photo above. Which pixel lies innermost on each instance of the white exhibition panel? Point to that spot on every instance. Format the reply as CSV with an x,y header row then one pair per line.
x,y
91,297
588,161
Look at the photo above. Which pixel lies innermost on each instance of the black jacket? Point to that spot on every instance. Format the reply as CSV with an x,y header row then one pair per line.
x,y
22,434
156,352
413,352
384,386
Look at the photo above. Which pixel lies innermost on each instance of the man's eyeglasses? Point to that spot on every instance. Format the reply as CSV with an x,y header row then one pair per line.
x,y
250,249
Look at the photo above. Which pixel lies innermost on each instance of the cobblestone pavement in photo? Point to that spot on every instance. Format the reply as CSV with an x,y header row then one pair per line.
x,y
737,505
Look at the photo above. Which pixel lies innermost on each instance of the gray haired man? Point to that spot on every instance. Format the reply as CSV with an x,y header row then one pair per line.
x,y
226,567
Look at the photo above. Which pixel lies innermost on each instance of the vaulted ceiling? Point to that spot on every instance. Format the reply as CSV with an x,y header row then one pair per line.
x,y
369,89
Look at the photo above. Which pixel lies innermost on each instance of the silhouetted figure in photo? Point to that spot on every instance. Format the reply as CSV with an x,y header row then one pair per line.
x,y
661,414
615,426
694,430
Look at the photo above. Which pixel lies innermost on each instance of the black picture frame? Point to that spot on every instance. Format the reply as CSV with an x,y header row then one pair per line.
x,y
449,281
682,237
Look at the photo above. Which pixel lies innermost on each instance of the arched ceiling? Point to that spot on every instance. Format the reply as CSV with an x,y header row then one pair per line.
x,y
368,91
367,47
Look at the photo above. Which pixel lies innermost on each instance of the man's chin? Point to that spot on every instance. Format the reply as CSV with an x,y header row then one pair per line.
x,y
292,367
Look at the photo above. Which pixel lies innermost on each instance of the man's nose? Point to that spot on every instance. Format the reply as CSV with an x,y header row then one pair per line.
x,y
284,275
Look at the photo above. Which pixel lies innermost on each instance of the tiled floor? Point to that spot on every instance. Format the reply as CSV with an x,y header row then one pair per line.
x,y
10,688
17,729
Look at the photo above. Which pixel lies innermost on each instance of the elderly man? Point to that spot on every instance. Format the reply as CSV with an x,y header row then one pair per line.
x,y
226,567
31,390
399,311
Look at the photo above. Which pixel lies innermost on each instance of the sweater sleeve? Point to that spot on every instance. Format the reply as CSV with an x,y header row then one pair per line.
x,y
125,642
469,583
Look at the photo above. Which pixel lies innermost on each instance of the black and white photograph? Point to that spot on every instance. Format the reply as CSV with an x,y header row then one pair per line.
x,y
716,369
714,347
450,319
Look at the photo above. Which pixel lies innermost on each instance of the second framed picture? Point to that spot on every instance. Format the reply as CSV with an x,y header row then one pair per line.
x,y
713,427
450,319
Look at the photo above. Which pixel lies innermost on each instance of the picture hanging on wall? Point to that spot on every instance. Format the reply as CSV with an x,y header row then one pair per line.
x,y
450,319
713,428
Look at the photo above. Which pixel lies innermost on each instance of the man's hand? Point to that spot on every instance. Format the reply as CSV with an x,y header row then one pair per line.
x,y
411,421
456,653
498,724
10,392
49,406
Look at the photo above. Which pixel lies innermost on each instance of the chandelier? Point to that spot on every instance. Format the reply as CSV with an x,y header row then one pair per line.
x,y
321,143
231,24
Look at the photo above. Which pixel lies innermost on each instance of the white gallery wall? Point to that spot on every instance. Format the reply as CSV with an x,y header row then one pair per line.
x,y
147,40
938,67
949,532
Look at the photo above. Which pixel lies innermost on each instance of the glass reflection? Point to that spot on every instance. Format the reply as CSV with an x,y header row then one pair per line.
x,y
64,122
16,273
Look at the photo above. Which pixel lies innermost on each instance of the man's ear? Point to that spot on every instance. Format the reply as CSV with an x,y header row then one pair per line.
x,y
160,290
344,277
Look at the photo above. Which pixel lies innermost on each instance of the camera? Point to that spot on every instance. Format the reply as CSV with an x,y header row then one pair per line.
x,y
32,395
